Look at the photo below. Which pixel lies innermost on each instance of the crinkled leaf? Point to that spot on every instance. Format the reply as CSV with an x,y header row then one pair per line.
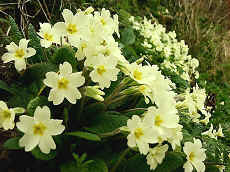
x,y
14,33
127,36
34,103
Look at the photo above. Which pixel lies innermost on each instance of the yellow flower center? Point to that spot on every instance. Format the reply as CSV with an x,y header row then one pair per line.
x,y
191,156
48,37
158,120
71,28
103,21
138,133
6,114
39,129
107,52
104,43
63,83
19,53
142,88
137,75
101,70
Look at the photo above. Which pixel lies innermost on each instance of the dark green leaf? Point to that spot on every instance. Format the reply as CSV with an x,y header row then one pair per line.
x,y
127,36
97,165
12,144
41,156
14,33
35,43
64,54
85,135
34,103
38,71
107,122
5,87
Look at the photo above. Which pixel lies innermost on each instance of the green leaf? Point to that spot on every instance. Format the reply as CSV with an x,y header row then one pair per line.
x,y
38,71
69,167
35,43
127,36
64,54
137,164
34,103
97,165
85,135
39,155
14,33
12,144
107,122
5,87
172,161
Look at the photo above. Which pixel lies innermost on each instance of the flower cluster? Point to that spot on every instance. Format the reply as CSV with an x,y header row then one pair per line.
x,y
100,60
194,102
212,133
175,54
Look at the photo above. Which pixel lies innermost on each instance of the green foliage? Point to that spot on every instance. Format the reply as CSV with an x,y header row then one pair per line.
x,y
12,144
64,54
34,103
106,122
127,36
85,135
41,156
5,87
35,43
15,34
37,71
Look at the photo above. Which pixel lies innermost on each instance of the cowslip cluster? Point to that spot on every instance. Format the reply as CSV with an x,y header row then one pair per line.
x,y
174,53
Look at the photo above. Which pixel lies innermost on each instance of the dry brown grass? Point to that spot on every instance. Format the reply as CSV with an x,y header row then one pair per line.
x,y
205,25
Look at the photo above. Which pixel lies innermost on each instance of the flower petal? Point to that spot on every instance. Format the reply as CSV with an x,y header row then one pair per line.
x,y
56,96
42,113
30,52
55,127
23,43
51,79
25,124
46,143
12,47
29,142
72,94
20,64
65,68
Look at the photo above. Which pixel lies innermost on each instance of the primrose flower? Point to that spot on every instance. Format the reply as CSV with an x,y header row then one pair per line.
x,y
38,130
6,116
140,134
18,54
161,120
74,26
64,84
156,156
210,132
49,35
104,71
195,156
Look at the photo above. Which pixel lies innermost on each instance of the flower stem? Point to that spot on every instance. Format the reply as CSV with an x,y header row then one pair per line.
x,y
120,160
40,91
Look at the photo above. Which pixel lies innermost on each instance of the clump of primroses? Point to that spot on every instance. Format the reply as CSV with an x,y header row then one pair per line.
x,y
92,33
